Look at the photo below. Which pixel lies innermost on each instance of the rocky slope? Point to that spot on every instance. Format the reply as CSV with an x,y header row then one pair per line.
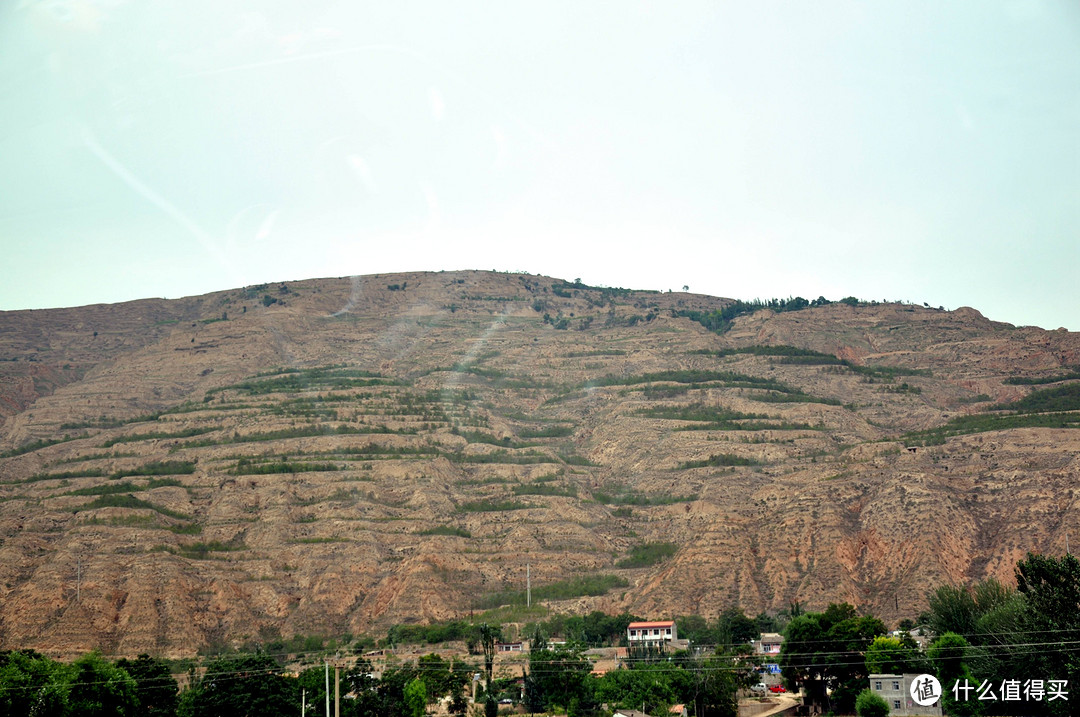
x,y
338,455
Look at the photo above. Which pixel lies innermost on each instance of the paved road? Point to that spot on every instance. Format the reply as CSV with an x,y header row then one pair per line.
x,y
783,702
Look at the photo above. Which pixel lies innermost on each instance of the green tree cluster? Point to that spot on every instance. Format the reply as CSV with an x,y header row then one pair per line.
x,y
825,653
32,684
992,632
559,680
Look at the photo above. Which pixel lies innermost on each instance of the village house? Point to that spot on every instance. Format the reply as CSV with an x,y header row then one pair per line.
x,y
651,634
896,691
769,644
511,647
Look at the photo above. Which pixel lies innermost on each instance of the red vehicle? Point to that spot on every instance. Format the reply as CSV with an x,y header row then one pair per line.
x,y
776,689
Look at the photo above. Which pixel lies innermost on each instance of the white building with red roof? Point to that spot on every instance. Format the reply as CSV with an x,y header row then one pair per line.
x,y
651,634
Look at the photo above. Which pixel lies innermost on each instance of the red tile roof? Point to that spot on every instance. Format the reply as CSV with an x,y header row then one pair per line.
x,y
640,625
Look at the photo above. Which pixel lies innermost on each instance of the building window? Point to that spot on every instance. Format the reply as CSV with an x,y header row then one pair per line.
x,y
633,633
877,685
895,685
668,631
896,704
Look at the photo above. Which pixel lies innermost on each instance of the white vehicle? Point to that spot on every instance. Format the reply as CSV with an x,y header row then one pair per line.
x,y
760,688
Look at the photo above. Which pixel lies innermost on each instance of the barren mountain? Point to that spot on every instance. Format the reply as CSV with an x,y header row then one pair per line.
x,y
339,455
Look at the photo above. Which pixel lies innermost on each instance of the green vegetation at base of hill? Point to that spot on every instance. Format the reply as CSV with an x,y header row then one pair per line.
x,y
591,585
647,554
985,628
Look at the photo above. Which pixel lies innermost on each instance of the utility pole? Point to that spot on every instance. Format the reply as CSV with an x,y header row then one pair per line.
x,y
337,691
78,580
327,665
528,586
303,702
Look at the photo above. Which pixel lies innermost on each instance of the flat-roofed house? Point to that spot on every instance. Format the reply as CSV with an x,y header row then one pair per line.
x,y
511,647
770,643
896,690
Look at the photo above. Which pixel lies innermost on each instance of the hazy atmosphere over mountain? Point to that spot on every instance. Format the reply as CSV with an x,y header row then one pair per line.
x,y
919,151
338,455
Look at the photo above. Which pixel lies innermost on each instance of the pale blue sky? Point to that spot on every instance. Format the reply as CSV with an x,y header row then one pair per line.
x,y
923,151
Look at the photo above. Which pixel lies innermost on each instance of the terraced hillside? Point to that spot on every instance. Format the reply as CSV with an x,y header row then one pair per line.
x,y
338,455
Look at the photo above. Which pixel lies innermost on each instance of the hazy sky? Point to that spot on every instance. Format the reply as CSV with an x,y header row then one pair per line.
x,y
924,151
